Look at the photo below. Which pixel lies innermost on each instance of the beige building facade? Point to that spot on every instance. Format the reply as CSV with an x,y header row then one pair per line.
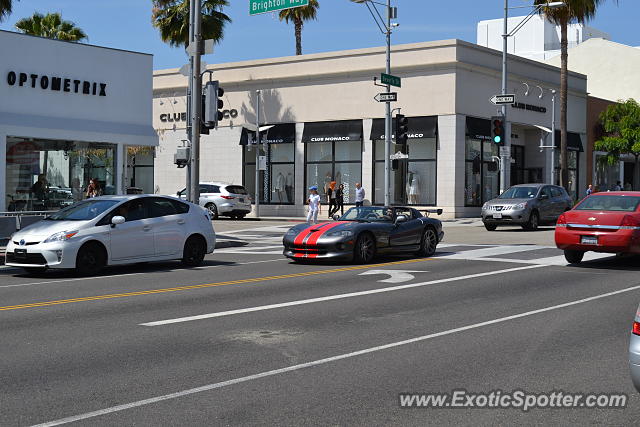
x,y
322,124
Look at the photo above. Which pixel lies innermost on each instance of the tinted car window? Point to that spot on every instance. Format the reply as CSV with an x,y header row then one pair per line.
x,y
133,210
160,207
547,191
236,189
556,192
609,203
209,189
180,207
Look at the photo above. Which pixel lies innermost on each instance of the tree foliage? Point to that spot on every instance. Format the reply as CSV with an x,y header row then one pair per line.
x,y
51,26
298,16
621,125
171,18
6,6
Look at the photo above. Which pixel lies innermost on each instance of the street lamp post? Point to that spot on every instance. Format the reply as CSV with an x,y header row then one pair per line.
x,y
385,27
257,188
506,157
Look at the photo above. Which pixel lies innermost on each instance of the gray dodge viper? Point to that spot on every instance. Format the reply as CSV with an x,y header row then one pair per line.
x,y
363,232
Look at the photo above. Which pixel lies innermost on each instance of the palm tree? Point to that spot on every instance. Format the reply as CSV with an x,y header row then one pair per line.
x,y
573,11
298,15
51,26
5,8
171,17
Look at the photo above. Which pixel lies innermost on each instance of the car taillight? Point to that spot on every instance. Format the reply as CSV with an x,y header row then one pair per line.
x,y
636,328
228,197
562,221
630,222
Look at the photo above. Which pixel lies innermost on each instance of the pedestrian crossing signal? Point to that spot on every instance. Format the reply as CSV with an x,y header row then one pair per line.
x,y
497,130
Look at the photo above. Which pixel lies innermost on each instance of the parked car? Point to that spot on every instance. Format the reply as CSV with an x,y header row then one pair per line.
x,y
602,222
527,205
223,199
111,230
363,232
634,351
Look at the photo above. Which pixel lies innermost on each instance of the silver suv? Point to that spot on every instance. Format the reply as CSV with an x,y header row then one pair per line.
x,y
223,199
527,205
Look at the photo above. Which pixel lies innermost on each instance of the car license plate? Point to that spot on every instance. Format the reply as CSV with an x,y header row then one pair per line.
x,y
20,253
497,215
589,240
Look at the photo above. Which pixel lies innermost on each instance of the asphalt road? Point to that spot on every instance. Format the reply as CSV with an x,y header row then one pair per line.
x,y
250,338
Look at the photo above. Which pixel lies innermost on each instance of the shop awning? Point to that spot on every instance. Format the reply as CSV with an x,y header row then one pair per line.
x,y
574,142
419,127
344,130
479,128
282,133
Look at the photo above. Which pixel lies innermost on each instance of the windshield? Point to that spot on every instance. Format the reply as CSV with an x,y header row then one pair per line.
x,y
609,203
368,213
520,193
83,211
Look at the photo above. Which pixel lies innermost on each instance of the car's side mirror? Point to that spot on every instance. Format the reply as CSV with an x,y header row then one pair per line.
x,y
178,194
401,218
336,217
116,220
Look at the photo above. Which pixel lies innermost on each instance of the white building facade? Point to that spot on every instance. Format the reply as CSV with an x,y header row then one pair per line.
x,y
68,112
324,126
538,39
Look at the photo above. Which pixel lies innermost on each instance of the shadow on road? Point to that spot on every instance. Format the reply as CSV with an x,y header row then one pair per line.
x,y
618,263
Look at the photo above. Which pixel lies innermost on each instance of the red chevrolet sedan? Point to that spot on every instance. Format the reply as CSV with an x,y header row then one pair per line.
x,y
602,222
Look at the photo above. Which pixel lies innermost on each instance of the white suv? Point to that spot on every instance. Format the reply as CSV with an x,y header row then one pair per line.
x,y
223,199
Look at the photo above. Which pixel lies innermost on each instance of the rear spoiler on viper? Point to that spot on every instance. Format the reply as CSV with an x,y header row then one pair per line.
x,y
433,211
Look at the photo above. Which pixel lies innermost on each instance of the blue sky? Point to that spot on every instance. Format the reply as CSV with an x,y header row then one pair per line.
x,y
126,24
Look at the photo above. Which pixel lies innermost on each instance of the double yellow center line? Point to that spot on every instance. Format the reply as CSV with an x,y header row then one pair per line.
x,y
202,286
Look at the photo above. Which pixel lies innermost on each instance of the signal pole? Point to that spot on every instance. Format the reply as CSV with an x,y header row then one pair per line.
x,y
195,24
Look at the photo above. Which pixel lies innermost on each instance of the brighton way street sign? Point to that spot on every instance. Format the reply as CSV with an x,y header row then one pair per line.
x,y
502,99
388,79
257,7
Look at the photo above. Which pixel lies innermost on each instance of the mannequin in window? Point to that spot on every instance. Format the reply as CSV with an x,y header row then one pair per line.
x,y
279,187
288,187
413,179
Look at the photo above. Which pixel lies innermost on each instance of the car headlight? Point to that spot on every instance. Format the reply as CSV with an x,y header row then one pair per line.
x,y
341,233
60,237
520,206
485,206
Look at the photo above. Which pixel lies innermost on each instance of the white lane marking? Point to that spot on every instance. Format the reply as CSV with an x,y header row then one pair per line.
x,y
254,251
395,276
275,229
498,250
325,361
334,297
132,274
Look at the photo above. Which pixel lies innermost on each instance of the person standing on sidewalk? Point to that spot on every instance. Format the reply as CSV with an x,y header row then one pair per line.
x,y
331,197
359,195
339,203
314,205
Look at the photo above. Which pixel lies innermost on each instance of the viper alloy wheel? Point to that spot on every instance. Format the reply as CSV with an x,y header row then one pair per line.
x,y
365,249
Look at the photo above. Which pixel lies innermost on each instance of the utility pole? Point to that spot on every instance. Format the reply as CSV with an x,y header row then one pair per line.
x,y
505,158
257,190
387,119
189,93
195,24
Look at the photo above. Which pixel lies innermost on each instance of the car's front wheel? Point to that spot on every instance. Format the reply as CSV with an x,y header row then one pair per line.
x,y
534,222
573,257
365,249
194,251
428,243
490,227
91,259
213,210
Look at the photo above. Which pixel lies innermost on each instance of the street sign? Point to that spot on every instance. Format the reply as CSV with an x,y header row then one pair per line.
x,y
505,151
257,7
502,99
386,97
388,79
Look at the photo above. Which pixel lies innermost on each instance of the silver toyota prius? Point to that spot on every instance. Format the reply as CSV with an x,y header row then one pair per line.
x,y
112,230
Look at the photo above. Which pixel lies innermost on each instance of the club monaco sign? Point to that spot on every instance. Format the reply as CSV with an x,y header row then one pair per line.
x,y
54,83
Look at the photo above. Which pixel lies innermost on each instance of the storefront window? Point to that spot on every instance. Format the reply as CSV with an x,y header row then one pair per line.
x,y
140,170
50,174
572,169
279,174
333,152
482,176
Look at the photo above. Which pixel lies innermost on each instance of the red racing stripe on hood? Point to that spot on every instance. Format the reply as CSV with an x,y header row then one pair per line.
x,y
315,229
315,236
304,233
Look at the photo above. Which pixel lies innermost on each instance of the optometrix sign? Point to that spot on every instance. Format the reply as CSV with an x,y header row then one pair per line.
x,y
55,83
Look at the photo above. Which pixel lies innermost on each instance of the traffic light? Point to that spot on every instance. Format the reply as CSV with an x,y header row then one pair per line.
x,y
402,127
497,130
212,104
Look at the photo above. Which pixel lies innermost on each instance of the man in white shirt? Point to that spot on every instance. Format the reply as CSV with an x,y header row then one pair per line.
x,y
314,205
359,195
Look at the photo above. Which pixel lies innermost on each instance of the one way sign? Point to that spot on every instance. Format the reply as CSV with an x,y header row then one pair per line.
x,y
503,99
386,97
